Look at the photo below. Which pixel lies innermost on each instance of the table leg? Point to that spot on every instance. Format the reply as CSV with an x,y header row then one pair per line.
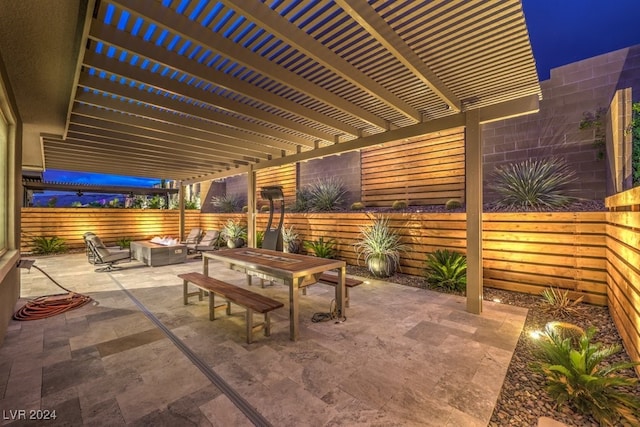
x,y
294,285
341,292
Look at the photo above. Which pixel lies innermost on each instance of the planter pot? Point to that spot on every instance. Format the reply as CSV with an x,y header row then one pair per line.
x,y
237,243
292,247
381,265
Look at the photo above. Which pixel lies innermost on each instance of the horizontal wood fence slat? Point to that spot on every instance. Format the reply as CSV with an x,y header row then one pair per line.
x,y
623,267
526,252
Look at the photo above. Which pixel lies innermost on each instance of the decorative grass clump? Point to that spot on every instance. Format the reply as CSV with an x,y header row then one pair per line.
x,y
399,205
446,270
302,202
534,184
43,245
357,206
380,246
326,194
576,375
228,203
453,204
559,304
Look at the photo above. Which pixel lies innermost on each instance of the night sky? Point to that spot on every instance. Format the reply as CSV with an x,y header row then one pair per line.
x,y
561,32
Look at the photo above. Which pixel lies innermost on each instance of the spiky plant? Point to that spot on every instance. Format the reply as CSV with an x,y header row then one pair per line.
x,y
44,245
559,304
302,202
446,270
380,246
326,194
576,375
227,203
321,248
534,183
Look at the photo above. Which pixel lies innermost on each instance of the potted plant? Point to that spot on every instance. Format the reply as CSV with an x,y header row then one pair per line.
x,y
290,241
380,246
234,233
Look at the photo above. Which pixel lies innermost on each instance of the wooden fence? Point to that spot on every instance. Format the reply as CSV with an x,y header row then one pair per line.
x,y
623,267
526,252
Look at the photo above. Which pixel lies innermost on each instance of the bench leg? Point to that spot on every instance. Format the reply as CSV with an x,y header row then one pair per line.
x,y
212,306
249,325
267,324
186,294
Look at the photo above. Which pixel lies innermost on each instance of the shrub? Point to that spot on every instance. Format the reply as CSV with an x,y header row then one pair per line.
x,y
322,249
326,194
453,204
259,238
302,202
227,203
447,270
124,242
192,204
357,206
398,205
43,245
575,375
533,184
380,245
559,304
635,150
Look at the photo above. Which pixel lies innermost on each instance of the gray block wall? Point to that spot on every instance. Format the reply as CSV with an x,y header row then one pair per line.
x,y
572,90
345,167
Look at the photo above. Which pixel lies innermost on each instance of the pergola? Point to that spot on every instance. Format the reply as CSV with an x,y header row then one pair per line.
x,y
194,90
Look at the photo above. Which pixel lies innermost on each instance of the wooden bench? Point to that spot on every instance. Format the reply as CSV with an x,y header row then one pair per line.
x,y
332,280
251,301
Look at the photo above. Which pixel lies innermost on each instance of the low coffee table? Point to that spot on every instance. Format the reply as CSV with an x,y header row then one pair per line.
x,y
155,255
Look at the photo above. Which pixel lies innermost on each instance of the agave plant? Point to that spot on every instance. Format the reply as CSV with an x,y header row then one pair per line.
x,y
380,246
576,375
447,270
302,202
326,194
534,183
322,248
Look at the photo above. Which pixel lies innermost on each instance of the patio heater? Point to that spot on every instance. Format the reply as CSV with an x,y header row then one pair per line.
x,y
273,236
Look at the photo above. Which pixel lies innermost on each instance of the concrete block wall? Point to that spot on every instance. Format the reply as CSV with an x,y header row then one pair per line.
x,y
345,167
572,90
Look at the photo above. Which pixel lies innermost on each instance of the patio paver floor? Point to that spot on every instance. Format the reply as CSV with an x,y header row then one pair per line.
x,y
138,356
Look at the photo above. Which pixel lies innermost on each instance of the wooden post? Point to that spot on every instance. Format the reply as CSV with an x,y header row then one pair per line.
x,y
251,208
181,219
473,196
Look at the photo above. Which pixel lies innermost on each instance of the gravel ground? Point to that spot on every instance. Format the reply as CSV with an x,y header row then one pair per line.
x,y
523,399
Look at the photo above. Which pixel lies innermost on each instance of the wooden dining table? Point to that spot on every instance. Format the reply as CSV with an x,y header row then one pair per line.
x,y
294,270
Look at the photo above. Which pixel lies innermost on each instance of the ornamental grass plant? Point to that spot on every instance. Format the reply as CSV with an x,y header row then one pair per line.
x,y
534,184
380,246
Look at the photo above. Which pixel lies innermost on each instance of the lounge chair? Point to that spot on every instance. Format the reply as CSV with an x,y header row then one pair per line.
x,y
103,256
209,242
194,237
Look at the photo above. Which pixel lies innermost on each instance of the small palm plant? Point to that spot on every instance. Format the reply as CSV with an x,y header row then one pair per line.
x,y
534,183
447,270
576,375
322,248
380,246
43,245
